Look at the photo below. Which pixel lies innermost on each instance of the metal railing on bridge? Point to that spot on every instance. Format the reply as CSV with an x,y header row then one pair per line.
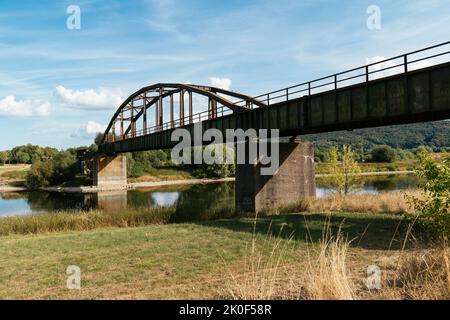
x,y
366,73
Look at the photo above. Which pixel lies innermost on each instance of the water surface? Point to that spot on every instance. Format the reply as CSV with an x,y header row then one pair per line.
x,y
193,202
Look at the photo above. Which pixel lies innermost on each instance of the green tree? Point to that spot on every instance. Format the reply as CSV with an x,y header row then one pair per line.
x,y
383,154
22,157
215,170
4,156
59,169
433,206
343,172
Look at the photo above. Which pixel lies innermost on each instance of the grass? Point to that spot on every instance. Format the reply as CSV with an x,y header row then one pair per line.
x,y
133,253
392,202
83,220
169,261
335,270
13,173
385,203
163,174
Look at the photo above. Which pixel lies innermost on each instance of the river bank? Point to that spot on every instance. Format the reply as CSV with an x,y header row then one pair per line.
x,y
393,202
155,184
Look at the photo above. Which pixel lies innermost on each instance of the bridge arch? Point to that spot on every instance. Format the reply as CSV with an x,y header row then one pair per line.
x,y
124,123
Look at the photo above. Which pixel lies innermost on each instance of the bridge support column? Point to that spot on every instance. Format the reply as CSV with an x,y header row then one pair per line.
x,y
110,172
293,181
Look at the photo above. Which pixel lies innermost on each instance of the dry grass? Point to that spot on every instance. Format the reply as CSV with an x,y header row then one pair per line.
x,y
262,270
266,276
327,275
393,202
83,220
11,173
419,274
424,275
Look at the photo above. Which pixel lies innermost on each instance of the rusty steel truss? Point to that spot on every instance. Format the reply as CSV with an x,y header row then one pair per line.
x,y
143,112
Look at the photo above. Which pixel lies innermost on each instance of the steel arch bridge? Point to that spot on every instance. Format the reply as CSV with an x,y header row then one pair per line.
x,y
134,116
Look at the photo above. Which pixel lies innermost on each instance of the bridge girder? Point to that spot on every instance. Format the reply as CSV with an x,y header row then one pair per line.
x,y
153,95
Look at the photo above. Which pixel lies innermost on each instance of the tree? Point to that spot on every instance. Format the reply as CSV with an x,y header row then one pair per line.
x,y
61,168
383,154
22,157
215,170
433,206
343,176
4,156
109,137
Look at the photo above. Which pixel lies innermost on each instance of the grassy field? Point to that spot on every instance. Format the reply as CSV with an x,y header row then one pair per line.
x,y
13,173
196,260
163,174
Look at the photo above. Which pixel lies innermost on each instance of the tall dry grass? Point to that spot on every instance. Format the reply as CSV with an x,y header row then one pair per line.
x,y
327,276
416,273
266,276
394,202
83,220
262,271
423,274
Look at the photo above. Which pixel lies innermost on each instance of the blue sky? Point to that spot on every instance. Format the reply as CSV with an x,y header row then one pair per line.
x,y
59,86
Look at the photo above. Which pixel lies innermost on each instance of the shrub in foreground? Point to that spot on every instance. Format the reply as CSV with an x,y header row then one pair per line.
x,y
434,205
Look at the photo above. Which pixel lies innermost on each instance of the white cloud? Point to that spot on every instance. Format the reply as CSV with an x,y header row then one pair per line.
x,y
89,130
93,127
89,99
9,106
222,83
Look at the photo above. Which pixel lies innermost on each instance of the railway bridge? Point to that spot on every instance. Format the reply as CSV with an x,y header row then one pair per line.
x,y
409,88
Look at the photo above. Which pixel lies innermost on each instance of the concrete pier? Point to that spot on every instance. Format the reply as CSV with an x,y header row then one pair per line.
x,y
110,171
293,180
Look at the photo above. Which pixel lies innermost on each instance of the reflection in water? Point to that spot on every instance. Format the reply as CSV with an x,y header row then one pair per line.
x,y
193,203
165,198
111,200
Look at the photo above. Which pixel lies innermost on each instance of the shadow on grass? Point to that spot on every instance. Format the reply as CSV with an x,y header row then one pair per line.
x,y
368,231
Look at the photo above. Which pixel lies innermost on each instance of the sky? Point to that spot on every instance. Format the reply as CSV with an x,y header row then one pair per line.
x,y
59,85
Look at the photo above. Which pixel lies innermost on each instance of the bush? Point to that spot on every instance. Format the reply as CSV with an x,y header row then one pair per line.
x,y
136,170
383,154
434,205
4,155
215,170
54,171
140,163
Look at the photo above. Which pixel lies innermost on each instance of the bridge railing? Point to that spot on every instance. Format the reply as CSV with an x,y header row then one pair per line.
x,y
371,71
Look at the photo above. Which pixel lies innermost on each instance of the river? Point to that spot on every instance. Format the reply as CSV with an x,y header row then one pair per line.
x,y
193,202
